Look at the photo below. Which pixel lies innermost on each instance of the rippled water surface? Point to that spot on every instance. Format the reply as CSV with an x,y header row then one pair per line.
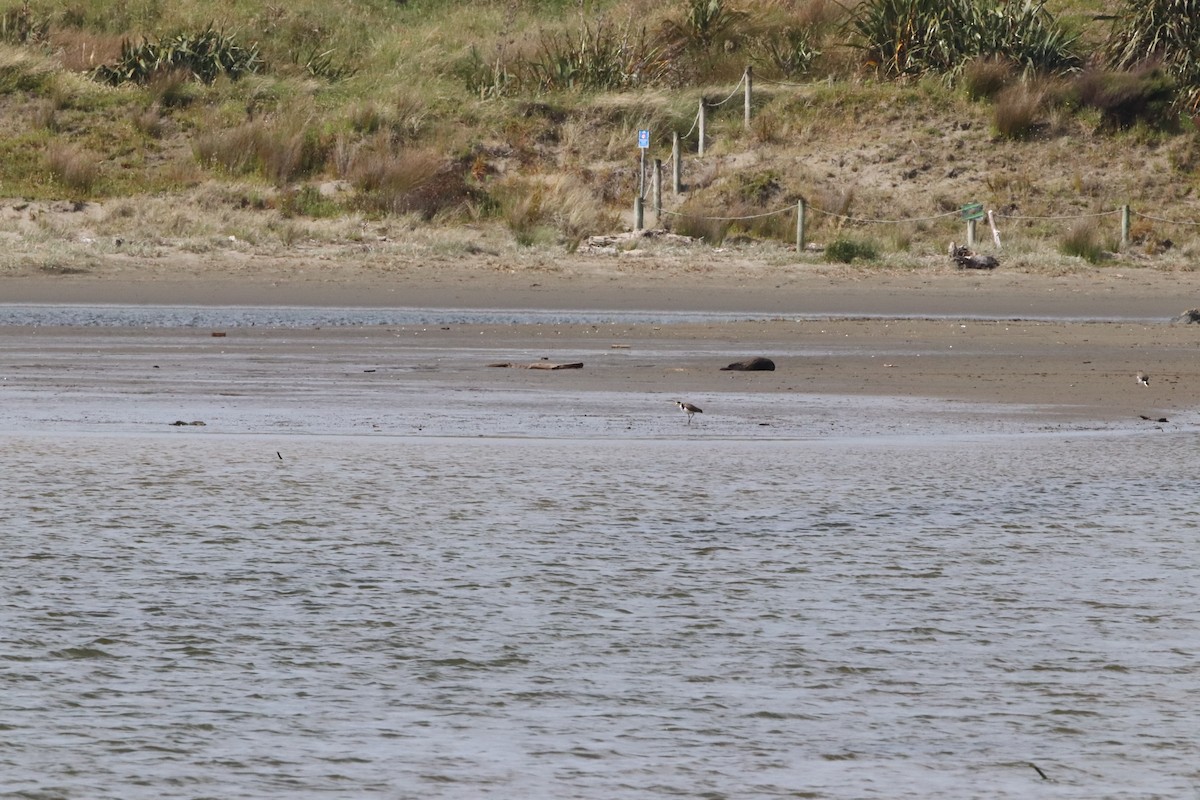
x,y
311,616
113,315
117,315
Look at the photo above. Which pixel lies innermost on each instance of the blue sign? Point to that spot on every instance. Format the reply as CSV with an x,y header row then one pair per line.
x,y
644,139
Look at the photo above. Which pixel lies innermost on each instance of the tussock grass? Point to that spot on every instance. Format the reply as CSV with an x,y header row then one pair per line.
x,y
984,78
711,230
149,122
1083,240
82,51
1018,111
845,250
537,210
74,169
281,149
393,180
25,70
172,88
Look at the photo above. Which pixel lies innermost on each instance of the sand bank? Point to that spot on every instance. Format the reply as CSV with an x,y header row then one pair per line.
x,y
693,278
1068,344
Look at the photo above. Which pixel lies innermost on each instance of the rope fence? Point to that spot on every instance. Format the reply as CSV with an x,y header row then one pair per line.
x,y
970,213
1164,221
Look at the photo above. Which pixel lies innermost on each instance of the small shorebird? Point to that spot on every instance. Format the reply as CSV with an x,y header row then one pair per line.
x,y
1143,379
689,409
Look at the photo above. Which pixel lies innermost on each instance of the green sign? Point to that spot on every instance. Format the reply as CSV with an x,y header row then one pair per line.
x,y
972,211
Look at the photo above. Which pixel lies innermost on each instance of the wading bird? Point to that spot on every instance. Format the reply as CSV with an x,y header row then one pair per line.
x,y
689,409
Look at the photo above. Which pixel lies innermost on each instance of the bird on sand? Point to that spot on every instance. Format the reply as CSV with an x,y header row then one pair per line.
x,y
689,409
1143,379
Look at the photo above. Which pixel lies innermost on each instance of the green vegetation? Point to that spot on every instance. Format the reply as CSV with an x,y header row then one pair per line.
x,y
915,36
204,56
523,113
843,250
1166,33
1083,240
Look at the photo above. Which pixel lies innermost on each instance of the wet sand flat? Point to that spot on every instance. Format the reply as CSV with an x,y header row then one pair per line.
x,y
1065,345
1040,372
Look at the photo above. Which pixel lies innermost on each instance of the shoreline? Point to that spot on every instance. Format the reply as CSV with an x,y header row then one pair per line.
x,y
699,280
1052,347
1046,373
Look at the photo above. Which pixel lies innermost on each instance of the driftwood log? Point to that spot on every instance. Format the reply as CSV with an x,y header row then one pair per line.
x,y
621,242
964,258
539,365
756,364
1192,315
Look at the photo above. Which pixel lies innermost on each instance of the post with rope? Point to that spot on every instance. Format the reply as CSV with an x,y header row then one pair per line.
x,y
702,125
800,222
1124,226
972,213
657,192
643,146
676,167
748,78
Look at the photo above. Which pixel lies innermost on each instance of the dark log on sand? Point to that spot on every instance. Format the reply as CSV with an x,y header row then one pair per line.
x,y
756,364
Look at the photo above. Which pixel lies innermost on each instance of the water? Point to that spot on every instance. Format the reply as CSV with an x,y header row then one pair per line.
x,y
333,603
191,316
196,316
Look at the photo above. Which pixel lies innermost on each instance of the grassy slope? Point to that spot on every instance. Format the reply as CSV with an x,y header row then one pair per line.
x,y
552,168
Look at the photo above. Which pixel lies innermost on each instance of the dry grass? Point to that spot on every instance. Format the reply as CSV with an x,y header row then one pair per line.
x,y
1083,240
280,148
72,168
80,50
985,78
397,180
150,122
1018,111
547,210
23,69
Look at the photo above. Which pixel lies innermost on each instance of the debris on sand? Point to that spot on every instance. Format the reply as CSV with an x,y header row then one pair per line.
x,y
756,364
539,365
964,258
619,242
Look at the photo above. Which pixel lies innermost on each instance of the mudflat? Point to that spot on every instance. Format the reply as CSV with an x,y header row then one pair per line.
x,y
1067,343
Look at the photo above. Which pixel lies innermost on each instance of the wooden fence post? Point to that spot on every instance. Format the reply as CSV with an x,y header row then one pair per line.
x,y
970,233
676,166
657,192
749,90
703,111
800,223
1124,226
637,213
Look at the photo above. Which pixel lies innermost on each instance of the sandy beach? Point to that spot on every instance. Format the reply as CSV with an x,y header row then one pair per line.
x,y
1070,344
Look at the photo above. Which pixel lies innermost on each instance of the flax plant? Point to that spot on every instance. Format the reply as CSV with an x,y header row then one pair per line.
x,y
906,37
1160,31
